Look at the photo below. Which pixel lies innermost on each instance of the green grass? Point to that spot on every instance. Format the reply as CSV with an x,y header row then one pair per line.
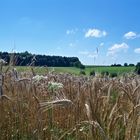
x,y
119,70
73,70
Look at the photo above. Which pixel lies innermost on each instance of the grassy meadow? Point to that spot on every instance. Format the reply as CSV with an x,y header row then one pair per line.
x,y
76,71
62,106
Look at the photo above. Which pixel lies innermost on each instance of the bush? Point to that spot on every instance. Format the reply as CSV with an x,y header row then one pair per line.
x,y
114,74
137,70
82,72
79,65
82,66
116,65
131,65
104,73
92,73
125,64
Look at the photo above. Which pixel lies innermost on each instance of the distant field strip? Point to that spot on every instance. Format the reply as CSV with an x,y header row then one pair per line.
x,y
74,70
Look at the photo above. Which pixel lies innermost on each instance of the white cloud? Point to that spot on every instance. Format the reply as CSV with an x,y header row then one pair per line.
x,y
101,44
130,35
137,50
95,33
117,48
72,31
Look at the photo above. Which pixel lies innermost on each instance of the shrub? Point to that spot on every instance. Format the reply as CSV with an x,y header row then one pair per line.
x,y
104,73
116,65
131,65
82,66
114,74
82,72
79,65
125,64
137,70
92,73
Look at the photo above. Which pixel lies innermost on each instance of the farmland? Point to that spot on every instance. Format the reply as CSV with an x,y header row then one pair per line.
x,y
70,70
62,106
76,71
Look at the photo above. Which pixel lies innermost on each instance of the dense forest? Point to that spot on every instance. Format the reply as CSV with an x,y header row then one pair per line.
x,y
26,59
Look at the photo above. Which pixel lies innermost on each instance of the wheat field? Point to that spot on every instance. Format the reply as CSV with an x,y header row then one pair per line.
x,y
66,107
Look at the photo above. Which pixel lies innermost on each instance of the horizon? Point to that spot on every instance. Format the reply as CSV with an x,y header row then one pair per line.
x,y
88,65
97,32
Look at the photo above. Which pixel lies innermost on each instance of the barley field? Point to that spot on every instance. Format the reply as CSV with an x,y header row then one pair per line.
x,y
56,106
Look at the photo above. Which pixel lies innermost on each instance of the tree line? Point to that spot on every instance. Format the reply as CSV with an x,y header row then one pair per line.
x,y
125,65
26,59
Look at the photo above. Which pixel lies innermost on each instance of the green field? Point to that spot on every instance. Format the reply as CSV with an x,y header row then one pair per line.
x,y
119,70
73,70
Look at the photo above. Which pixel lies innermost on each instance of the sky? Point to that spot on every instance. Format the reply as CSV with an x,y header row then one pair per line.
x,y
98,32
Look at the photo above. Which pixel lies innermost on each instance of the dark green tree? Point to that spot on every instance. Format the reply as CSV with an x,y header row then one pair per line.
x,y
26,58
125,64
137,69
131,65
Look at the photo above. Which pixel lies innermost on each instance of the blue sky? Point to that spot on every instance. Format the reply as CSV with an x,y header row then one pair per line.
x,y
96,31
